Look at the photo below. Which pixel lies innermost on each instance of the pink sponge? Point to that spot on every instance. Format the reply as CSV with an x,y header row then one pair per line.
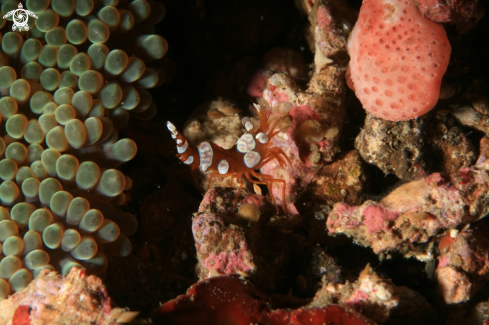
x,y
398,59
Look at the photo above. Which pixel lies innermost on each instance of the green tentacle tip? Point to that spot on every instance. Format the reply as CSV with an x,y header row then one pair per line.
x,y
36,272
98,54
111,94
80,63
34,152
140,9
64,113
121,247
116,62
76,134
16,126
8,169
97,264
112,183
13,246
7,76
97,110
68,79
76,210
84,7
49,56
98,31
91,221
8,228
123,150
148,80
8,106
52,235
50,79
37,6
33,133
60,202
127,21
66,168
56,139
63,95
4,214
20,90
49,157
66,53
32,242
39,100
17,152
91,81
40,220
9,193
151,47
47,188
20,279
86,249
110,16
71,239
30,50
56,37
130,98
94,127
35,259
67,264
20,214
30,188
88,175
76,32
64,8
31,71
9,265
108,232
47,20
12,44
82,102
134,70
39,171
4,289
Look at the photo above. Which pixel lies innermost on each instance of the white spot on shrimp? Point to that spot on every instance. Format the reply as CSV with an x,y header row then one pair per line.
x,y
246,143
223,167
205,154
252,159
247,123
262,137
182,148
189,160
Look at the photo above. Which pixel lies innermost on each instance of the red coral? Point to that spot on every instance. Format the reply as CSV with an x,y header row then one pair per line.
x,y
226,300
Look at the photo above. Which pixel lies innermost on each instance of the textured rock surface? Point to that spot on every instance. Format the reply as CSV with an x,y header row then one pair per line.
x,y
415,212
370,295
54,299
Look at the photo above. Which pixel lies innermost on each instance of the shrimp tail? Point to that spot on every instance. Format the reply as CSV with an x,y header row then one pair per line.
x,y
187,154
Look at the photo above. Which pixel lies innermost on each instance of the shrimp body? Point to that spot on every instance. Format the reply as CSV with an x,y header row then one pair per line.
x,y
252,150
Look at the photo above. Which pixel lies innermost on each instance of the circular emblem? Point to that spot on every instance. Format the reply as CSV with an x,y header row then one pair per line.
x,y
20,18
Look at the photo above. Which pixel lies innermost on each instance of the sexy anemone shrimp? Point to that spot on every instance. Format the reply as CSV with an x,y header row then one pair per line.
x,y
252,150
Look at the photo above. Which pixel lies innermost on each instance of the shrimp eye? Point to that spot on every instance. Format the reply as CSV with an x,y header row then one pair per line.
x,y
262,137
247,123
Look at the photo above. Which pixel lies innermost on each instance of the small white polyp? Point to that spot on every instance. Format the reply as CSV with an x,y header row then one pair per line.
x,y
223,167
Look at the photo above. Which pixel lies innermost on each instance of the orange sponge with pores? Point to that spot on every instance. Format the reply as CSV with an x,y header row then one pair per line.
x,y
398,59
